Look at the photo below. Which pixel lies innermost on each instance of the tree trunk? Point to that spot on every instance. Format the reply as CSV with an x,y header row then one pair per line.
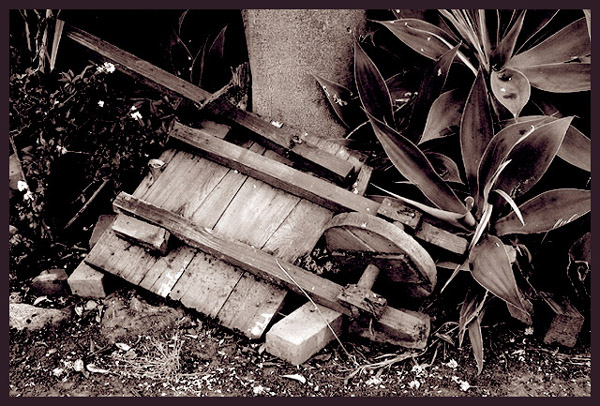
x,y
285,48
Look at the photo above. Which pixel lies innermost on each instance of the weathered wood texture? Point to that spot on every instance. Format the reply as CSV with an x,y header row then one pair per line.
x,y
411,327
275,173
326,164
147,235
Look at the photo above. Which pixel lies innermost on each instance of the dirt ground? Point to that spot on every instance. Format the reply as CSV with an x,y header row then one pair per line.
x,y
196,357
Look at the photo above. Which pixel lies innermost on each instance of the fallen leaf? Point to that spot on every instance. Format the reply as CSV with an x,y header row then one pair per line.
x,y
123,346
40,300
295,377
94,369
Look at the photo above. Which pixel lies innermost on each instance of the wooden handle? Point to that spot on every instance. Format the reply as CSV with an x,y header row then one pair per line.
x,y
367,280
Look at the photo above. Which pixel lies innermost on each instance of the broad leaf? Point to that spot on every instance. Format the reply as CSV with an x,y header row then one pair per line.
x,y
531,157
570,43
372,90
444,166
444,115
491,268
476,342
414,166
511,88
581,250
506,47
560,77
523,316
421,36
430,89
547,211
340,99
476,130
576,148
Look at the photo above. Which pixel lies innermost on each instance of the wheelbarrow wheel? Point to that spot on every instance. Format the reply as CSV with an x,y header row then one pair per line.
x,y
357,240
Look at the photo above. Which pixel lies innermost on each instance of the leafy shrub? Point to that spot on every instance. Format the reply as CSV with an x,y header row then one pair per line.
x,y
503,154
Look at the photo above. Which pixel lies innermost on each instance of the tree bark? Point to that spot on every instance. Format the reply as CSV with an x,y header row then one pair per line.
x,y
285,48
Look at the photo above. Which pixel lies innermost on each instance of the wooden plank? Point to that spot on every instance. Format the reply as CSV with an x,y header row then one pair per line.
x,y
141,233
149,180
330,166
411,327
441,238
166,271
299,232
255,213
274,173
251,306
118,257
206,284
394,210
362,180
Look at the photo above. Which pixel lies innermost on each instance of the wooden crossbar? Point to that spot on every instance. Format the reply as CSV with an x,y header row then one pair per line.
x,y
291,142
412,328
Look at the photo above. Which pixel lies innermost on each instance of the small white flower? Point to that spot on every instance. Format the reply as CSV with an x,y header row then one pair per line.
x,y
452,364
101,103
464,386
109,67
414,384
137,115
28,196
133,108
373,381
61,150
22,186
529,331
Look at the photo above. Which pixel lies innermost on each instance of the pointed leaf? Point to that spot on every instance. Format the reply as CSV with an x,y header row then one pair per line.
x,y
491,268
506,47
430,89
500,147
570,43
511,88
463,221
560,77
444,115
588,20
522,316
536,21
576,148
476,343
58,29
414,166
531,157
340,99
400,89
372,90
470,309
423,37
476,131
444,166
546,212
512,204
581,250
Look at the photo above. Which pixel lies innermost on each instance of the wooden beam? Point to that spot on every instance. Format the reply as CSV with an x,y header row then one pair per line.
x,y
325,164
156,239
274,173
410,327
394,210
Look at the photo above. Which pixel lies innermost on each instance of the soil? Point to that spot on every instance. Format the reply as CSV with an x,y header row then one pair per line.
x,y
195,356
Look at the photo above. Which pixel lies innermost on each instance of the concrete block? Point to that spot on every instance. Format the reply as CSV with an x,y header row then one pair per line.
x,y
303,333
51,282
104,222
87,282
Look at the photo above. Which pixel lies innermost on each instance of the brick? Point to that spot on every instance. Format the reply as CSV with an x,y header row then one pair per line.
x,y
51,282
87,282
104,222
303,333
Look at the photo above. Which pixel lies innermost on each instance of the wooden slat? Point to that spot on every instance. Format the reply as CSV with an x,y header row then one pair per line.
x,y
394,210
141,233
274,173
411,327
251,306
206,284
166,271
441,238
330,166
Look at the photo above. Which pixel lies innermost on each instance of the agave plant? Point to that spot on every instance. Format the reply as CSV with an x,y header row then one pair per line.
x,y
502,158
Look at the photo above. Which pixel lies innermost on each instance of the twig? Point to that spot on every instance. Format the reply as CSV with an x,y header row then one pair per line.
x,y
87,204
318,310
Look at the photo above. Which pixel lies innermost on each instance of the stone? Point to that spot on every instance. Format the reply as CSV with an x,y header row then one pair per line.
x,y
25,316
303,333
132,317
85,281
51,282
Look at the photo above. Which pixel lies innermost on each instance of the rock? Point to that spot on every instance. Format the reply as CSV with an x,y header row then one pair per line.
x,y
130,318
24,316
51,282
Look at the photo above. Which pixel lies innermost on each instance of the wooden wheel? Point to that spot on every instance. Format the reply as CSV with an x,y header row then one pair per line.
x,y
361,239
